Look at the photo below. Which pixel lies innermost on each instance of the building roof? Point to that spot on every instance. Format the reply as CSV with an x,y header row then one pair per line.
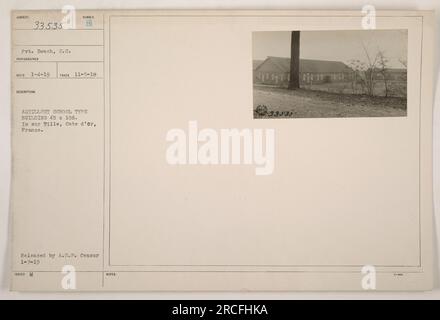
x,y
256,64
278,64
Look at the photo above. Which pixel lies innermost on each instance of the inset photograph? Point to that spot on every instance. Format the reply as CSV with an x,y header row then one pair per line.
x,y
330,74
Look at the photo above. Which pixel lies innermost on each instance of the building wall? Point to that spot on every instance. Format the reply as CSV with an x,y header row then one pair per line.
x,y
276,78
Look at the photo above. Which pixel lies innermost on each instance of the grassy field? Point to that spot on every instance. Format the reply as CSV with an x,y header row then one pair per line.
x,y
272,102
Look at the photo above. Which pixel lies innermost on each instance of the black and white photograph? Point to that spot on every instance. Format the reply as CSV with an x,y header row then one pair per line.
x,y
329,74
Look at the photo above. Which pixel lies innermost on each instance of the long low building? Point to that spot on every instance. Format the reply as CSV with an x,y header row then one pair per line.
x,y
276,70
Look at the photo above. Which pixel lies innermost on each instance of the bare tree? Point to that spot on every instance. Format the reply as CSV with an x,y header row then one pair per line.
x,y
294,61
371,67
365,73
382,63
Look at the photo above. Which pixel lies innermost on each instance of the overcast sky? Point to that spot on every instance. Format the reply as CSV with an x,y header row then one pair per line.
x,y
334,45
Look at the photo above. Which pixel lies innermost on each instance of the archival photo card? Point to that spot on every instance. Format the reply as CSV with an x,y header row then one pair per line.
x,y
329,74
163,162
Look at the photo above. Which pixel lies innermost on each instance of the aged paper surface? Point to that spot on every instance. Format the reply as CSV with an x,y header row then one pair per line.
x,y
126,176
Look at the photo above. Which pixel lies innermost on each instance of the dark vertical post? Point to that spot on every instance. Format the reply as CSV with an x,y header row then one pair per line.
x,y
294,61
